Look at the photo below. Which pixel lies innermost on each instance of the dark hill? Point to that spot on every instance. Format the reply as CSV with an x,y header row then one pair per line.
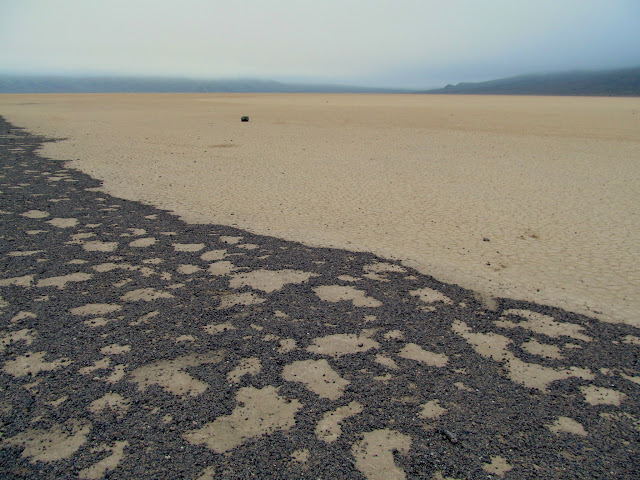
x,y
615,83
97,84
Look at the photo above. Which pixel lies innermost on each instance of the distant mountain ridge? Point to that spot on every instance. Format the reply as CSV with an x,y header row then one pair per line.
x,y
618,83
98,84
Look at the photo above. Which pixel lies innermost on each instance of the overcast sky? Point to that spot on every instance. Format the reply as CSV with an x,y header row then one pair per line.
x,y
404,43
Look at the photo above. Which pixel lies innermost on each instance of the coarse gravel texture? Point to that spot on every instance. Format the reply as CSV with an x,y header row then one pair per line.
x,y
134,345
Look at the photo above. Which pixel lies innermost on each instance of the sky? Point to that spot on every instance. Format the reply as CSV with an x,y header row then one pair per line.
x,y
394,43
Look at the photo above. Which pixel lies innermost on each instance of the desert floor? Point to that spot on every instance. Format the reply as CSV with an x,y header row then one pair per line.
x,y
136,345
550,182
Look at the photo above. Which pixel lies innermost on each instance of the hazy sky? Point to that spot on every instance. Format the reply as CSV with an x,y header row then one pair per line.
x,y
408,43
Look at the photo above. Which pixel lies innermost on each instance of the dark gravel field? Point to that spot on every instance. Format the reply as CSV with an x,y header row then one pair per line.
x,y
136,346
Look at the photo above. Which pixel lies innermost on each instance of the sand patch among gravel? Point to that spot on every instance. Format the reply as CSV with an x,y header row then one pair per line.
x,y
24,253
230,240
62,280
117,374
348,278
338,293
98,469
22,315
498,466
269,280
24,335
216,328
317,376
374,454
440,476
98,246
301,455
97,365
95,309
386,361
567,425
213,255
541,349
635,380
208,473
432,410
110,266
59,442
142,242
602,396
247,366
260,412
185,338
77,238
35,214
245,298
545,324
153,261
632,340
415,352
23,281
329,428
115,349
382,267
494,346
223,267
429,295
63,222
188,269
171,376
110,401
394,335
287,345
188,247
342,344
145,295
32,364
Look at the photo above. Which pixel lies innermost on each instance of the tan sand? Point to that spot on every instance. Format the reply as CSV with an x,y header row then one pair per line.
x,y
260,412
550,182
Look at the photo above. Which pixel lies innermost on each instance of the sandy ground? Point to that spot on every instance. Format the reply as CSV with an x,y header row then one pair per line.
x,y
524,197
134,345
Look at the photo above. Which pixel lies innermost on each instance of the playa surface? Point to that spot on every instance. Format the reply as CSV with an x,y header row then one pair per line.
x,y
526,197
134,345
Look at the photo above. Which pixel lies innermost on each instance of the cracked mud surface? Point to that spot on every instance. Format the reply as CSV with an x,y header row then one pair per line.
x,y
134,345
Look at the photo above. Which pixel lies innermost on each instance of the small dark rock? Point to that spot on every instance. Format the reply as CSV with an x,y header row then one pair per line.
x,y
452,437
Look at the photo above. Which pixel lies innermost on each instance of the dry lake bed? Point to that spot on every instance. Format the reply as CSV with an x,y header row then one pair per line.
x,y
346,286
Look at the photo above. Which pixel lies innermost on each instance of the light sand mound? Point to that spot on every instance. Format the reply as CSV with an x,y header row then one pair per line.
x,y
525,197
